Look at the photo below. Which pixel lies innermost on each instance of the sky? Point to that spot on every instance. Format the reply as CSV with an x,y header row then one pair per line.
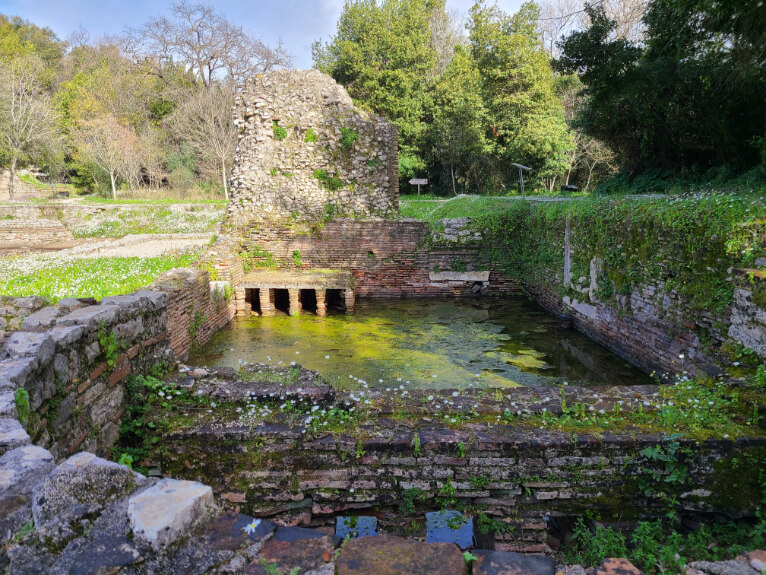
x,y
298,23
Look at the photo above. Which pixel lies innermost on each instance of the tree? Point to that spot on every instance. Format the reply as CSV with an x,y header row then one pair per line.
x,y
204,43
28,123
109,145
383,54
457,135
703,61
204,121
527,120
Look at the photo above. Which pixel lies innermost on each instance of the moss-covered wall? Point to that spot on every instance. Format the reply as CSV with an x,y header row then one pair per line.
x,y
653,279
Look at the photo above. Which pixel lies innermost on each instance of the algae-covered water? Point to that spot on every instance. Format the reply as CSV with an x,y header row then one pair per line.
x,y
432,343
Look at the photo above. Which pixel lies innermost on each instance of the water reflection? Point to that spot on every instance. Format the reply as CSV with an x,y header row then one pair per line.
x,y
432,343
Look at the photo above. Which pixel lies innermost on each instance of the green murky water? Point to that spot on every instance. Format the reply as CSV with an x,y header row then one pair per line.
x,y
431,343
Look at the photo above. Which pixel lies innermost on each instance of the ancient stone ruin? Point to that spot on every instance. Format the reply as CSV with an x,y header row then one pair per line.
x,y
304,150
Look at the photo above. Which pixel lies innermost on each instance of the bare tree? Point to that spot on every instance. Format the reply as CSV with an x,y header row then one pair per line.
x,y
205,122
202,43
28,126
446,33
111,146
560,17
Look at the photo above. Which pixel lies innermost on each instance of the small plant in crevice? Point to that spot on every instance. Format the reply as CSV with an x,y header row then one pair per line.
x,y
459,266
409,497
279,132
296,258
332,183
416,445
110,348
348,136
197,320
22,405
310,137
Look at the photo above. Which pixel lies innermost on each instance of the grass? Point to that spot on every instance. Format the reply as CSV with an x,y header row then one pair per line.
x,y
55,278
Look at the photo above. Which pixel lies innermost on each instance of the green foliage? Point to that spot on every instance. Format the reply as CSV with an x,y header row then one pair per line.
x,y
110,348
272,568
591,547
333,183
487,524
125,460
21,398
279,132
469,557
296,258
416,445
256,257
197,320
410,496
311,136
689,95
347,137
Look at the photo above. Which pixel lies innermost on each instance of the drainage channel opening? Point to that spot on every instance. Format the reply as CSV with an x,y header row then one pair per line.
x,y
282,300
336,299
253,300
308,300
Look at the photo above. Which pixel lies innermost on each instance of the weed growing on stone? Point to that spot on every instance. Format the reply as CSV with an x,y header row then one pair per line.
x,y
310,137
348,136
22,405
279,132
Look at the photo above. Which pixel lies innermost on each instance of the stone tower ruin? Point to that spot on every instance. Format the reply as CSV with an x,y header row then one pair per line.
x,y
305,151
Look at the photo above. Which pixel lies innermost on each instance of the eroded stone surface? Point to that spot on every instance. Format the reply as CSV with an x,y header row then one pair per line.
x,y
389,555
12,435
507,563
617,566
166,511
230,531
21,469
80,487
292,547
42,319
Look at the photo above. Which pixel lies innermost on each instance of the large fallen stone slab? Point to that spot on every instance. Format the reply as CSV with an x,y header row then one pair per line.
x,y
169,510
389,555
508,563
21,469
80,487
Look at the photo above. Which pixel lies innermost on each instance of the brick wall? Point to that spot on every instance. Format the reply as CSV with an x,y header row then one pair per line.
x,y
387,258
522,478
195,310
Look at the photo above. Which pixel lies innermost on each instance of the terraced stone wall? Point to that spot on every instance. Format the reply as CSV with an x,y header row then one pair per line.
x,y
71,358
71,368
523,479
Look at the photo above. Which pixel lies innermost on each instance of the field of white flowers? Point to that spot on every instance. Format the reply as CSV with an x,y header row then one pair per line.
x,y
172,219
57,276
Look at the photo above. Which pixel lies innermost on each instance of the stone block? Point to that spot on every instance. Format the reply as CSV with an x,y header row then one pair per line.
x,y
69,304
65,337
509,563
12,435
20,470
386,554
41,320
28,344
7,404
79,487
168,510
91,317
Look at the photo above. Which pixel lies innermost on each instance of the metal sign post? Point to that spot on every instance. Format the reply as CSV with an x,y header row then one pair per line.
x,y
522,169
419,182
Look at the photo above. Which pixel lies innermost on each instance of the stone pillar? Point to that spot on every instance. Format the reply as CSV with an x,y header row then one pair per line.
x,y
321,295
350,296
239,302
295,301
266,296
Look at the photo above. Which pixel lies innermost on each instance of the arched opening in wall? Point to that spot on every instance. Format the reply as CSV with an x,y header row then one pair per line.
x,y
282,300
308,300
253,300
336,300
